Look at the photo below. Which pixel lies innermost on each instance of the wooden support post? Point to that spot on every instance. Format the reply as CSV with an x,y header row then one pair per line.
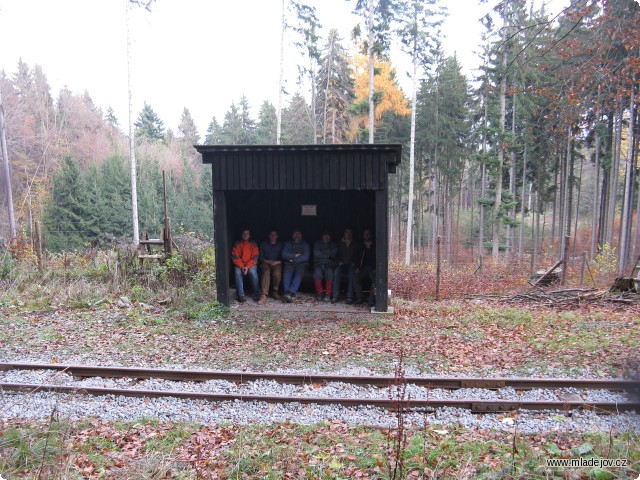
x,y
565,259
223,249
438,265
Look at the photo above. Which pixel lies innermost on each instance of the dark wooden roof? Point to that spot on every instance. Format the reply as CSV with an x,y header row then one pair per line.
x,y
301,167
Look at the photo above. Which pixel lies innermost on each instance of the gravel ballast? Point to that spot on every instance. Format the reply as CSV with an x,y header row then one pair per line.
x,y
40,405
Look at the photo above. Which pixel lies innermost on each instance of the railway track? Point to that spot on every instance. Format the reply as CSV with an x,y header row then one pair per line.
x,y
448,383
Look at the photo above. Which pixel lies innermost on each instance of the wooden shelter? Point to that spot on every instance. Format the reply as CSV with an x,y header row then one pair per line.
x,y
312,187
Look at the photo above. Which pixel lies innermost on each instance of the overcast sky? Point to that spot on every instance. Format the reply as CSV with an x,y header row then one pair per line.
x,y
199,54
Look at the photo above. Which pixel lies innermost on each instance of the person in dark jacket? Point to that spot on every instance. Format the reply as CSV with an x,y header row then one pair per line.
x,y
295,257
325,252
348,250
365,269
270,261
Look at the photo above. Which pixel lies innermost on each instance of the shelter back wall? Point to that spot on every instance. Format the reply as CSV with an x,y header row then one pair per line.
x,y
282,209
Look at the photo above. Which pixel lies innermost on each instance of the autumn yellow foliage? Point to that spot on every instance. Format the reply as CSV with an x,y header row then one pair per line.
x,y
385,82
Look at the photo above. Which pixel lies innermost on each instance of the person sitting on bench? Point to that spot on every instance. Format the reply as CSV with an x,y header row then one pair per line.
x,y
295,256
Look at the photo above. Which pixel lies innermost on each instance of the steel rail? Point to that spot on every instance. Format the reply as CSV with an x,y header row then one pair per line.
x,y
84,371
475,406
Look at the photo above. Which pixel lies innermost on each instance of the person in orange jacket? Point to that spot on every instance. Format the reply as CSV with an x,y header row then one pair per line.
x,y
244,255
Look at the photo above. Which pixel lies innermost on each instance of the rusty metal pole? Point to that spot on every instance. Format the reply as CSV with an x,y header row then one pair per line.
x,y
438,266
565,259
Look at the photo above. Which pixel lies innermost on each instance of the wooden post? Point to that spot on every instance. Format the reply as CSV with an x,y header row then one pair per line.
x,y
584,262
223,249
565,259
438,266
38,246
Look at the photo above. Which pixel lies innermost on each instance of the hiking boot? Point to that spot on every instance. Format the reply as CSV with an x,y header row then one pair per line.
x,y
349,301
334,300
326,298
318,297
275,295
242,299
262,300
287,298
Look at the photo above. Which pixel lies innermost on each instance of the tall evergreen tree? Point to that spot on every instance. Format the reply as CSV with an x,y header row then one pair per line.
x,y
296,122
334,84
214,133
187,128
68,215
111,118
231,133
114,203
149,126
266,129
248,125
307,28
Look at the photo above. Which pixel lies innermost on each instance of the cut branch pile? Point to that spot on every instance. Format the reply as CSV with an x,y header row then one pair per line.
x,y
572,296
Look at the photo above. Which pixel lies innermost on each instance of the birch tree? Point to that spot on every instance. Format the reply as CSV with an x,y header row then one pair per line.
x,y
419,31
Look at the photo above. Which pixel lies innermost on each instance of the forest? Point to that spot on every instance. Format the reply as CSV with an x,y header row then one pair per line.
x,y
536,155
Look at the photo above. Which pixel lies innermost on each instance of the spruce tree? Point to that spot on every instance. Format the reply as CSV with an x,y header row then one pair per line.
x,y
296,122
187,128
335,87
266,129
68,215
214,133
149,126
231,133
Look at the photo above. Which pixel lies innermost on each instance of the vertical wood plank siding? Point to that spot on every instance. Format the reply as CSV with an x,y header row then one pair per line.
x,y
299,170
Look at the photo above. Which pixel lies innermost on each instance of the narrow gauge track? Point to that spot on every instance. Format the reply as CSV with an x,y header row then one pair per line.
x,y
478,406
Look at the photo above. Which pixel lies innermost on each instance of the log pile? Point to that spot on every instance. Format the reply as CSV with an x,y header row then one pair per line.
x,y
573,296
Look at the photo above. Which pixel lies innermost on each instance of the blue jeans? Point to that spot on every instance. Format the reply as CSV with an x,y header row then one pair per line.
x,y
342,270
293,273
252,273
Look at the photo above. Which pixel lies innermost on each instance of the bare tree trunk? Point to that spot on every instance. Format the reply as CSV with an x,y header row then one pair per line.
x,y
412,162
7,174
283,27
512,180
314,112
627,207
326,100
554,209
569,195
636,230
495,250
522,201
536,237
564,186
132,142
372,4
577,212
596,201
613,177
436,207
